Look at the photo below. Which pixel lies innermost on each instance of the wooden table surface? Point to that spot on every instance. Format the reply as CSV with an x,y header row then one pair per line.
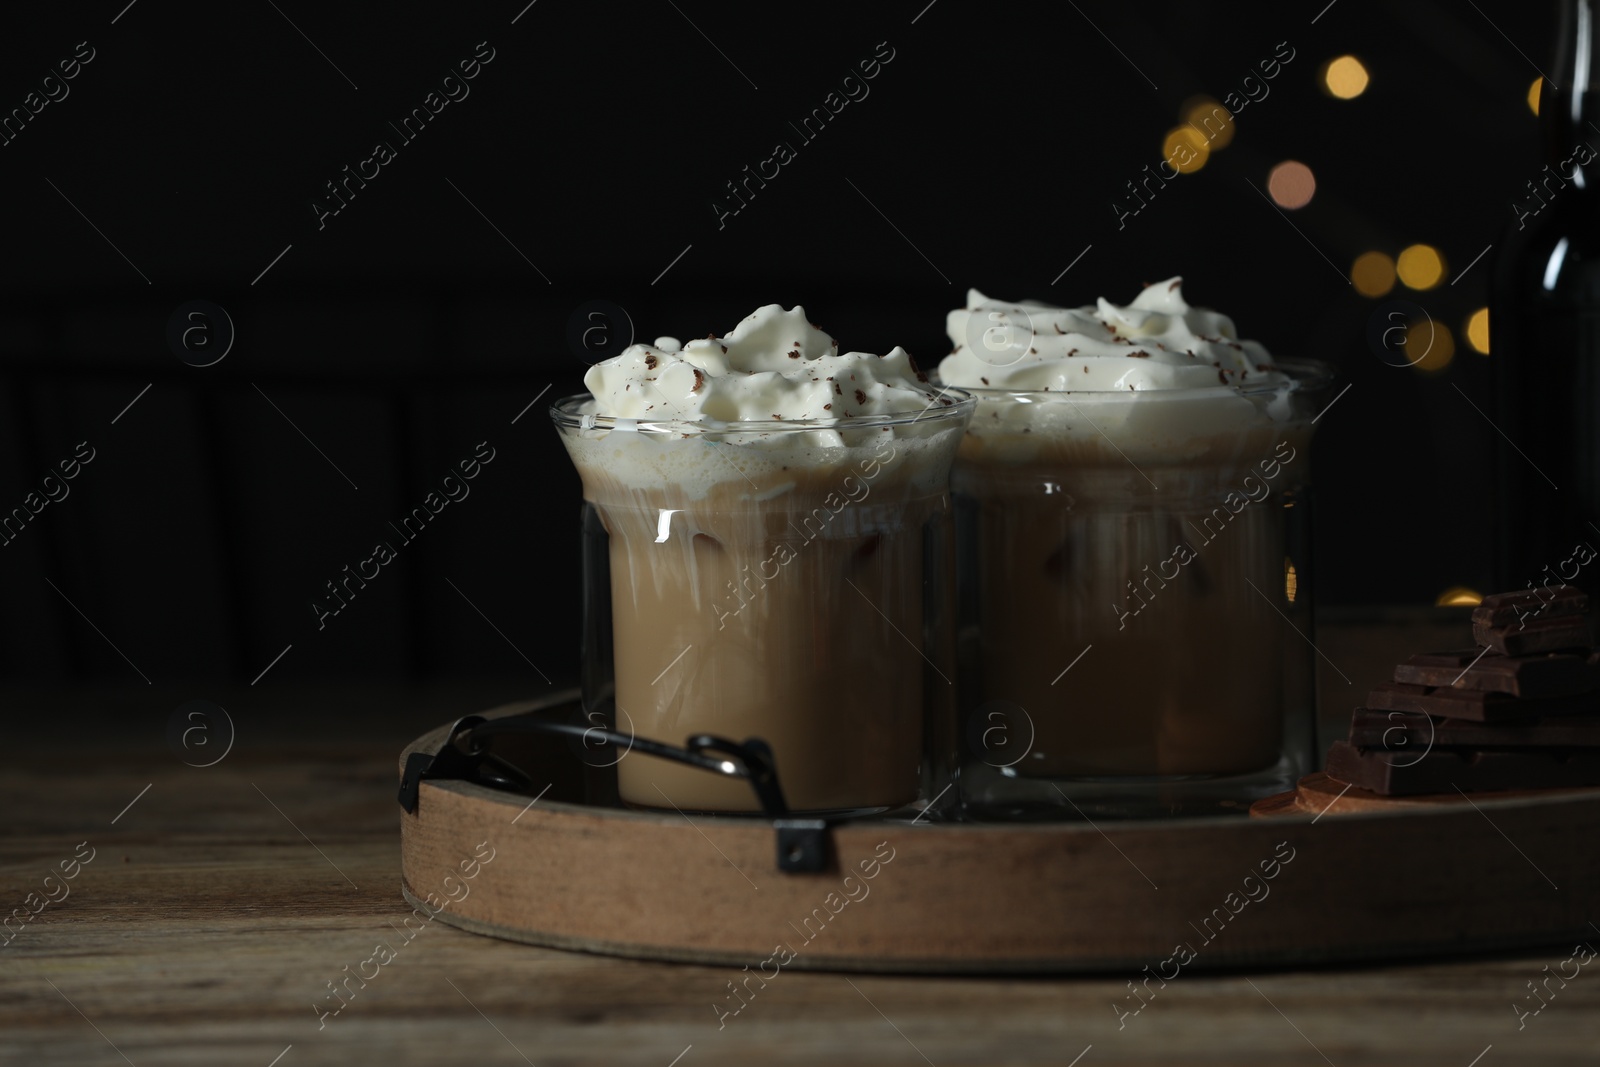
x,y
221,901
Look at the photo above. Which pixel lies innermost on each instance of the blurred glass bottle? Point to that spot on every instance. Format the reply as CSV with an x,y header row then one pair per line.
x,y
1544,328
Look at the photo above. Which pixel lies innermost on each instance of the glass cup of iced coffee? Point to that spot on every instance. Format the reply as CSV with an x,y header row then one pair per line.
x,y
769,553
1133,528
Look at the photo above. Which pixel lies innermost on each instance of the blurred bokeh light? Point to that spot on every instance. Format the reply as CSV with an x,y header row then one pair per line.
x,y
1179,136
1372,274
1478,331
1345,77
1420,267
1291,184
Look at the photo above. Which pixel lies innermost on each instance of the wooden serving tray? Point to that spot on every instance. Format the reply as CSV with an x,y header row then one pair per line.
x,y
1002,898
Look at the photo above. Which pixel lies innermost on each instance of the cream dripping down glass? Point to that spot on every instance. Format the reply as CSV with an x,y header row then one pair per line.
x,y
768,553
1133,522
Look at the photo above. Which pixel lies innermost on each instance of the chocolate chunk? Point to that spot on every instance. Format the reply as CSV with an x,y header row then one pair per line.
x,y
1503,609
1410,732
1539,634
1447,770
1478,705
1556,674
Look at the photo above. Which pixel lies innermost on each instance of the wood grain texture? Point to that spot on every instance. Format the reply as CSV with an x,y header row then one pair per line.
x,y
206,927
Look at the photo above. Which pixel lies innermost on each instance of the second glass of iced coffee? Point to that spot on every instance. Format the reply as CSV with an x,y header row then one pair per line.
x,y
768,538
1133,509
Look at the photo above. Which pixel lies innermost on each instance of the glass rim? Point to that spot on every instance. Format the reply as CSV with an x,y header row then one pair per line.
x,y
564,413
1304,376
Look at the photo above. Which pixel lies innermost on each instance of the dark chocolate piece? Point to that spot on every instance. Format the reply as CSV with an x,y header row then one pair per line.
x,y
1539,634
1472,770
1510,609
1475,704
1407,731
1549,675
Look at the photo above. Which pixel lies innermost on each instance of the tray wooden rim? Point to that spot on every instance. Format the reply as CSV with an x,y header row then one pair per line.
x,y
657,875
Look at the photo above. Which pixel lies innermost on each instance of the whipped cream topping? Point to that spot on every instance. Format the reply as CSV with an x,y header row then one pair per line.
x,y
1156,342
775,365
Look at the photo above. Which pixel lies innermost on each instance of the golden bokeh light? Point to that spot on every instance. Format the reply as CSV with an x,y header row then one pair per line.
x,y
1345,77
1291,184
1533,95
1420,267
1429,345
1478,331
1459,596
1186,149
1372,274
1213,121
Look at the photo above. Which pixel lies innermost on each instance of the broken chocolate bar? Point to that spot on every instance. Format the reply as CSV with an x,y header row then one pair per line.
x,y
1510,609
1444,770
1554,674
1475,704
1539,634
1407,731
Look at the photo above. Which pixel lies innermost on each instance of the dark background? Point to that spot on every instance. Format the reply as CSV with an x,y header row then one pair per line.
x,y
414,324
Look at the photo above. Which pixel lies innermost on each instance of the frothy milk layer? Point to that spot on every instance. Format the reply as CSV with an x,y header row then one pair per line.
x,y
775,365
1156,342
772,397
610,460
1154,382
